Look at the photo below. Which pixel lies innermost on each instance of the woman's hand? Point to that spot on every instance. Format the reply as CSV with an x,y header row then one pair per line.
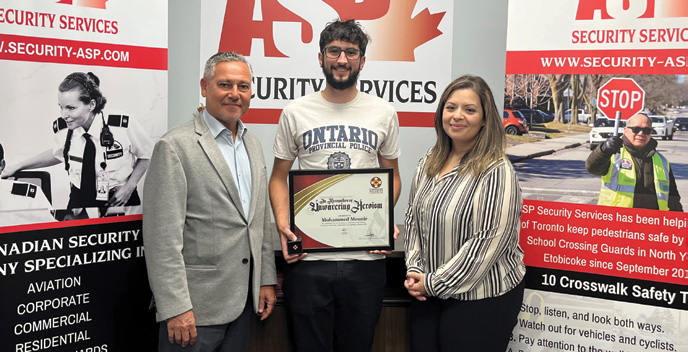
x,y
415,285
121,196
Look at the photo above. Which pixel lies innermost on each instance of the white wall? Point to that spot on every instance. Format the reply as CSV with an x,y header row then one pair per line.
x,y
183,55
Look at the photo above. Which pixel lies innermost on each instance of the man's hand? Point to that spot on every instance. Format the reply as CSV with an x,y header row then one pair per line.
x,y
279,197
182,329
266,301
415,285
612,145
286,235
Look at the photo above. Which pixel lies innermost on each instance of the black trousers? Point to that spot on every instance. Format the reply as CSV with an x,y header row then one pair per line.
x,y
472,326
334,305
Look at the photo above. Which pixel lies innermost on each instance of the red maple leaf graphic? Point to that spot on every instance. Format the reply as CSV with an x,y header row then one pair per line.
x,y
396,34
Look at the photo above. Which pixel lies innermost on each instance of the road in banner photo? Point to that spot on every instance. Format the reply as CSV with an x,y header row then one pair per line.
x,y
561,176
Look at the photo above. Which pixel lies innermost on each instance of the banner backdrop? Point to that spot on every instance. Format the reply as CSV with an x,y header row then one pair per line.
x,y
75,279
280,40
601,278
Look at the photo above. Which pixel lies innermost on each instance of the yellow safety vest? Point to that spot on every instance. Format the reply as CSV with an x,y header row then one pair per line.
x,y
618,185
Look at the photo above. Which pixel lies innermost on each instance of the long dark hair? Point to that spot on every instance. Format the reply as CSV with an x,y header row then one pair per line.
x,y
491,139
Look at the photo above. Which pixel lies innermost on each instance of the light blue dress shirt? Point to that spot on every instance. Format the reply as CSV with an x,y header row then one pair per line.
x,y
236,155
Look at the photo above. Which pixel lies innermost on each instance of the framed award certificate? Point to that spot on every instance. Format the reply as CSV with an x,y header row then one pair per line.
x,y
342,210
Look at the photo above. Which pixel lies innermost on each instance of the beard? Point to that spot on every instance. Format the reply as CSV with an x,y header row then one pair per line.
x,y
341,85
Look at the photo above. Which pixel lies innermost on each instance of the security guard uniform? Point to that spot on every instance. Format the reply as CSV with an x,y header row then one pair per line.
x,y
116,161
618,185
23,203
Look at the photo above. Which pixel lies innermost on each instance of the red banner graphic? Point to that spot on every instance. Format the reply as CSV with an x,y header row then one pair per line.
x,y
61,51
390,20
609,62
624,242
71,223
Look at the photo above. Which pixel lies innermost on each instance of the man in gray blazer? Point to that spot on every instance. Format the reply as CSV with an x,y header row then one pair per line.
x,y
206,220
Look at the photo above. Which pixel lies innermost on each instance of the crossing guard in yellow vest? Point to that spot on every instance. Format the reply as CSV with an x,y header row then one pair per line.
x,y
634,174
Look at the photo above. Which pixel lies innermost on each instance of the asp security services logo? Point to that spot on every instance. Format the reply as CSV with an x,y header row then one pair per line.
x,y
387,21
96,4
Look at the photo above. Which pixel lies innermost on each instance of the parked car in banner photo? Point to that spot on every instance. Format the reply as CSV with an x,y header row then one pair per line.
x,y
662,127
681,124
583,117
514,122
537,116
603,129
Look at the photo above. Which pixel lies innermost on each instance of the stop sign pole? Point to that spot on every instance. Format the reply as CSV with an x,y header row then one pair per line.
x,y
622,98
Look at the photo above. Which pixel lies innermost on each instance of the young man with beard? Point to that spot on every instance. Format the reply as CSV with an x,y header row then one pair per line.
x,y
334,299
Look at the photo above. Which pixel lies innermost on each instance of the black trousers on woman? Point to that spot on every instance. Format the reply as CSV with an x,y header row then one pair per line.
x,y
472,326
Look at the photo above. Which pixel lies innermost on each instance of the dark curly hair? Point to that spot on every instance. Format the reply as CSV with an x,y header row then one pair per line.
x,y
348,31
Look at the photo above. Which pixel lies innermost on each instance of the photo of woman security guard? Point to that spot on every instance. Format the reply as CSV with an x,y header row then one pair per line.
x,y
105,156
464,264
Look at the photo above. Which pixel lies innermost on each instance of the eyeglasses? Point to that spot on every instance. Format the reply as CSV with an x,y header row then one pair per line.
x,y
333,52
636,129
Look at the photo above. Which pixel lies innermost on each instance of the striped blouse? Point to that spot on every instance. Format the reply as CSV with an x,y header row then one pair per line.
x,y
462,232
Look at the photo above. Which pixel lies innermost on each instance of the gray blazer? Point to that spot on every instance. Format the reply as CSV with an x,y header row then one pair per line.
x,y
197,241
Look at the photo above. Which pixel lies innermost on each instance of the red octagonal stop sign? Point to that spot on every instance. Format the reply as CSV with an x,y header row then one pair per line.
x,y
620,94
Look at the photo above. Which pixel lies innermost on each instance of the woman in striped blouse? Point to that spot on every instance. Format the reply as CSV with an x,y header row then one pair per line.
x,y
464,264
